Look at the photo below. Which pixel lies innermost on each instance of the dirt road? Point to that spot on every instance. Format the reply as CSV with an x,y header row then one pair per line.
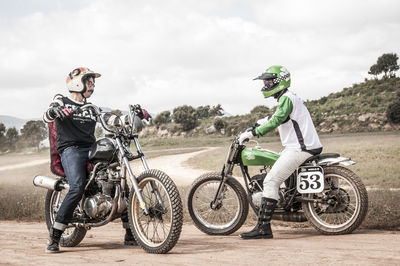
x,y
173,165
24,243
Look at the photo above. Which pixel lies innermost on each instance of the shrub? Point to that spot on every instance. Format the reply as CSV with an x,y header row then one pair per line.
x,y
186,116
261,109
393,113
219,124
162,118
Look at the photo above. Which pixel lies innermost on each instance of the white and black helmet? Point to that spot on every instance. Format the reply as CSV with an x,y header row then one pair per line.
x,y
75,79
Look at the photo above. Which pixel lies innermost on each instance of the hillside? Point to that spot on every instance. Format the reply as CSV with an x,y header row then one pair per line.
x,y
10,121
359,108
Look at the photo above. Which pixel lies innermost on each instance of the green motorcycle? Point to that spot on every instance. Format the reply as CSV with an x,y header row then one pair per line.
x,y
322,191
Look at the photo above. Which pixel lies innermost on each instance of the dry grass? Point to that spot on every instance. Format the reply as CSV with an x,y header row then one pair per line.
x,y
21,203
383,210
377,158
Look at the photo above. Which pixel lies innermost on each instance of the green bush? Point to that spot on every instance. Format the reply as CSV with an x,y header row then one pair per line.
x,y
162,118
393,113
186,116
219,124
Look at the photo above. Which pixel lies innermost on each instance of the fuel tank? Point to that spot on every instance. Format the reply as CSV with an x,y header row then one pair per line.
x,y
103,150
259,156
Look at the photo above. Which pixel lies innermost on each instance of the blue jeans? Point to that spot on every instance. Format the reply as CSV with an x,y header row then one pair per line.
x,y
74,161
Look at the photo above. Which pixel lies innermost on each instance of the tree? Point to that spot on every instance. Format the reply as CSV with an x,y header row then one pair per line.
x,y
2,129
3,140
34,132
388,63
374,70
216,111
203,111
162,118
186,116
12,138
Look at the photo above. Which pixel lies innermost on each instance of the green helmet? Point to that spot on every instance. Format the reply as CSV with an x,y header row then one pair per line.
x,y
280,77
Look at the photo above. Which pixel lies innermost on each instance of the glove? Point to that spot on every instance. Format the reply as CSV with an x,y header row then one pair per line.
x,y
246,136
262,121
59,112
141,113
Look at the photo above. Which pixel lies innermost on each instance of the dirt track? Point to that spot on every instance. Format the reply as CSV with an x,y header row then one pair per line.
x,y
24,243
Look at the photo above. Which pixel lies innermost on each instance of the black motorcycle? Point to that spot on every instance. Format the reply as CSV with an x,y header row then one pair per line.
x,y
153,202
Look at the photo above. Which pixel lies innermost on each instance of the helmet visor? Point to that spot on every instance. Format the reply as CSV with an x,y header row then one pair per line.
x,y
269,84
266,76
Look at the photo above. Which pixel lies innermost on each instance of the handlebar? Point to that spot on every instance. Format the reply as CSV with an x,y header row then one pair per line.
x,y
135,113
97,111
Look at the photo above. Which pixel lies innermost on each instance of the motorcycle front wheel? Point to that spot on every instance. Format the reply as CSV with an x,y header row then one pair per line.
x,y
159,231
72,236
345,203
228,216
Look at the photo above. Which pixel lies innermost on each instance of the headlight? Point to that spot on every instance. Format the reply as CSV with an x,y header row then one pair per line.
x,y
137,124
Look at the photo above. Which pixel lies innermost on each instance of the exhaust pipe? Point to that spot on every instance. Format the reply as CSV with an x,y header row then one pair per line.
x,y
49,183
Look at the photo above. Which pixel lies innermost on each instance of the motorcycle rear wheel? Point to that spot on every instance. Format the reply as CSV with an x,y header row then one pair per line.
x,y
348,207
225,219
71,236
159,231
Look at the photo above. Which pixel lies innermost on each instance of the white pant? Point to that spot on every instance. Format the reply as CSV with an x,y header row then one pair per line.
x,y
287,163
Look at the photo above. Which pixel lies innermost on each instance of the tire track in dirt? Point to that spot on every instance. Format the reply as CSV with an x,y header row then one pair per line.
x,y
173,165
26,164
24,244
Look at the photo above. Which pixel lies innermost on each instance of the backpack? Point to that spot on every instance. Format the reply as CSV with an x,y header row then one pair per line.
x,y
55,158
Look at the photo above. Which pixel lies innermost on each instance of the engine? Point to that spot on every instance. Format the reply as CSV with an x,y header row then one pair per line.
x,y
256,187
98,206
99,201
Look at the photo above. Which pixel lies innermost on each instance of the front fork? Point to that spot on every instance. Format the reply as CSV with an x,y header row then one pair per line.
x,y
146,167
225,173
219,196
135,184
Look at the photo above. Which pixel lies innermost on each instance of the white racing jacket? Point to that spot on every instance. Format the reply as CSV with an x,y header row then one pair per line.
x,y
296,128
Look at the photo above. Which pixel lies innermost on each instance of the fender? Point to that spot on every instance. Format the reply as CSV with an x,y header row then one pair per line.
x,y
338,160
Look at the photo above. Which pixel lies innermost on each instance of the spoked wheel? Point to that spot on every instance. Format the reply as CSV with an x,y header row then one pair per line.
x,y
228,215
345,203
72,236
159,231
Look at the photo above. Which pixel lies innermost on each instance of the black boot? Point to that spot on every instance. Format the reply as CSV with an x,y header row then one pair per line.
x,y
53,241
263,227
129,240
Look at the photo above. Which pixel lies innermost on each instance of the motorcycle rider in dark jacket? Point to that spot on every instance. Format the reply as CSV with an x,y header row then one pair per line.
x,y
75,135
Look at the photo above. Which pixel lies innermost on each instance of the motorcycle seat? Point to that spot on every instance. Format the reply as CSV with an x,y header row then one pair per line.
x,y
322,156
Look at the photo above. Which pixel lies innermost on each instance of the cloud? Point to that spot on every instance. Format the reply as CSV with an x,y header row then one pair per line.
x,y
165,54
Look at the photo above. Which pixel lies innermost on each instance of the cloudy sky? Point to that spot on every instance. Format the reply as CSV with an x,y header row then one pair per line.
x,y
163,54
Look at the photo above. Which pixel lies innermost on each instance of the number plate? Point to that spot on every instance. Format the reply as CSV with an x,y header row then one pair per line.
x,y
310,179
